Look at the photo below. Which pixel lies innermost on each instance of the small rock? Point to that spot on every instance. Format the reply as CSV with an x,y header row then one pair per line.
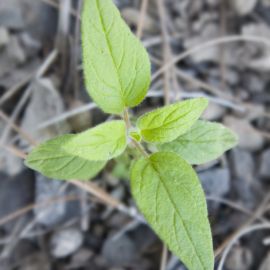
x,y
253,83
66,242
122,248
45,189
4,36
249,138
11,18
35,261
15,193
15,51
266,3
266,263
215,182
264,169
240,258
56,213
243,7
213,112
243,164
81,259
247,190
45,104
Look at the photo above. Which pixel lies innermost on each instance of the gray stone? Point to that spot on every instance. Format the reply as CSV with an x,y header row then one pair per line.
x,y
66,242
11,18
46,103
249,138
15,193
4,36
243,7
213,112
243,164
240,258
264,169
45,190
59,212
15,51
246,189
215,182
266,263
122,248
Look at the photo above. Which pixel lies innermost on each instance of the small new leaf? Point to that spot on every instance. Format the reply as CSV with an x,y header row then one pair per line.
x,y
116,65
170,196
168,123
79,156
205,141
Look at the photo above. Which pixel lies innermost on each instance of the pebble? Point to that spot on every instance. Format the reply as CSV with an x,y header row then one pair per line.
x,y
266,263
213,112
15,193
243,7
264,169
240,258
11,18
122,248
4,36
45,190
215,182
244,165
56,213
249,138
66,242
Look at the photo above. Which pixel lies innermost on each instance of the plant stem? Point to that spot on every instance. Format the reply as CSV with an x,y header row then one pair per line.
x,y
140,148
126,118
135,143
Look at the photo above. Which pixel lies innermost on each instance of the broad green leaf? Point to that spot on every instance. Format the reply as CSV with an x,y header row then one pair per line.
x,y
170,196
116,66
81,155
205,141
168,123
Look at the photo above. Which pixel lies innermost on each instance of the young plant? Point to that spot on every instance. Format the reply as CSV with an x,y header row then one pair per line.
x,y
164,184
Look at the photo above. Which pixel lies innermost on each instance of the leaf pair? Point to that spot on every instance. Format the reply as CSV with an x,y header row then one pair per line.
x,y
80,155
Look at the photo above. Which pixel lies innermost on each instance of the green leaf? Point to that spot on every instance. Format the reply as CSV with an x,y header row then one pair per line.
x,y
204,142
79,156
166,124
116,66
170,196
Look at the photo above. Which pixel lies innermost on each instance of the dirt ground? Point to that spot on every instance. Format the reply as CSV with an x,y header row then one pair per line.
x,y
220,50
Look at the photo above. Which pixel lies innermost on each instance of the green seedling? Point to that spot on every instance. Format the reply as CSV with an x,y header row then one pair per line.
x,y
164,184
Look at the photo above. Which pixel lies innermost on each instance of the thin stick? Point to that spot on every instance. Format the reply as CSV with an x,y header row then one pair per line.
x,y
14,89
166,50
250,229
208,44
255,216
141,19
30,207
164,258
23,133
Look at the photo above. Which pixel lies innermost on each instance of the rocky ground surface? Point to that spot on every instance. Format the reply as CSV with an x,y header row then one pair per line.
x,y
48,224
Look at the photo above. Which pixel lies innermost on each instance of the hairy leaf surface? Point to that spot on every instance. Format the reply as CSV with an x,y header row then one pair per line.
x,y
205,141
170,196
79,155
116,65
167,123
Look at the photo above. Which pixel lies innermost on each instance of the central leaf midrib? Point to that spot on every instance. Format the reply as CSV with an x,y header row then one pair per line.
x,y
110,50
178,213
